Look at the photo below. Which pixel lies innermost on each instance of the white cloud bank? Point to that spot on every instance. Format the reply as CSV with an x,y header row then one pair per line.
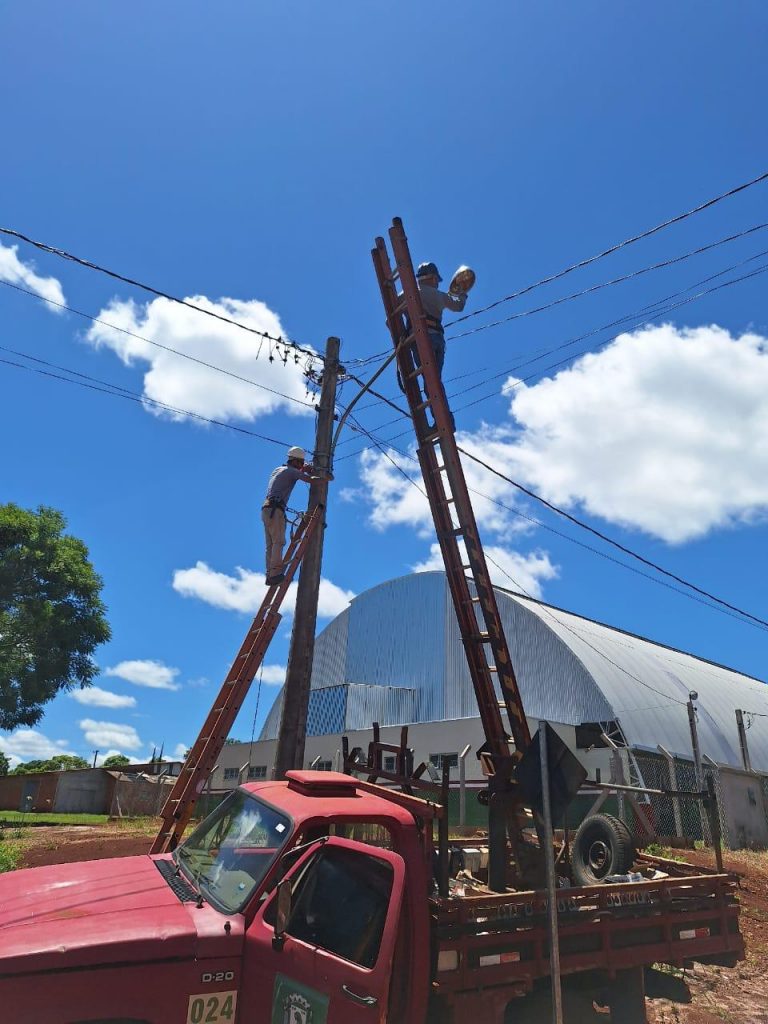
x,y
13,270
110,734
152,674
31,745
180,382
665,430
245,591
94,696
508,569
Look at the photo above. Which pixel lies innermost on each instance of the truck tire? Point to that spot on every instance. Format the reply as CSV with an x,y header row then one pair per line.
x,y
603,846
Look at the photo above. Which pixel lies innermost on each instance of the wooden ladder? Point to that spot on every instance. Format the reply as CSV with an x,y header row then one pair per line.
x,y
201,759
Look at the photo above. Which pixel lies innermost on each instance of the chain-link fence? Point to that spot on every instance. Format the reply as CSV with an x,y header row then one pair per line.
x,y
673,818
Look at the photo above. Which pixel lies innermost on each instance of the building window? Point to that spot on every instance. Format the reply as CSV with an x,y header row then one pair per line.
x,y
324,766
257,771
390,763
438,760
230,773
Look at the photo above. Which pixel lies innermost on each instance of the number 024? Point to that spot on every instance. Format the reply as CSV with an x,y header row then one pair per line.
x,y
210,1008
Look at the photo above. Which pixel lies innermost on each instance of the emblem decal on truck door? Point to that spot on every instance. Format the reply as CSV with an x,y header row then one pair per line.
x,y
294,1003
212,1008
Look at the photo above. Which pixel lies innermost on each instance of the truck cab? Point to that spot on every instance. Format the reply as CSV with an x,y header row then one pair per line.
x,y
190,937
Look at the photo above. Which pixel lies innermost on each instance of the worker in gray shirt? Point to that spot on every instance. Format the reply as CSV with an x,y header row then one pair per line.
x,y
434,302
279,488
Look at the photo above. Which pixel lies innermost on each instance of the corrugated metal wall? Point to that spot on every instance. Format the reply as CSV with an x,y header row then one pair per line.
x,y
398,651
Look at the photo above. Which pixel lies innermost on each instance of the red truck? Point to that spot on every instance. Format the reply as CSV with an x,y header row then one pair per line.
x,y
270,913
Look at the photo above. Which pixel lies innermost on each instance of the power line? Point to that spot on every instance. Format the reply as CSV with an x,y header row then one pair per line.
x,y
62,254
117,391
157,344
607,284
572,540
649,317
615,248
522,590
614,543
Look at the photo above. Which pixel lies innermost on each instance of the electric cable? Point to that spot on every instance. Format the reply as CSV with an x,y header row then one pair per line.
x,y
605,284
620,245
157,344
81,261
522,590
648,319
614,543
117,391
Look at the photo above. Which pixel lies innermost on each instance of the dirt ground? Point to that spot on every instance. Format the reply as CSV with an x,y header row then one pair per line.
x,y
704,995
59,844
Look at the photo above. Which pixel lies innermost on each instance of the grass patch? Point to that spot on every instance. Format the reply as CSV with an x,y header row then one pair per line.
x,y
10,855
43,818
657,850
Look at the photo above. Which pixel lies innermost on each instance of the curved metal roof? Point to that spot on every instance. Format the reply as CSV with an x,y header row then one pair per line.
x,y
397,652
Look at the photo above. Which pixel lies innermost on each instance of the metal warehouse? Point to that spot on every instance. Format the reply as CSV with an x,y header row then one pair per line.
x,y
395,657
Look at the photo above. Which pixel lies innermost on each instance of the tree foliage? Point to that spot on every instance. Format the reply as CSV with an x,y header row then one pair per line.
x,y
52,617
58,763
5,764
116,761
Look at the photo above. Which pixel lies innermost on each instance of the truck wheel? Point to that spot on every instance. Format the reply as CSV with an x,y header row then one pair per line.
x,y
603,846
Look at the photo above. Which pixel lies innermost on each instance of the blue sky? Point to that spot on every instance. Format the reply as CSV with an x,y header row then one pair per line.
x,y
251,153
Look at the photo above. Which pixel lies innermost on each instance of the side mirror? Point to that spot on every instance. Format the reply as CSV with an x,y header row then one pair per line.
x,y
283,913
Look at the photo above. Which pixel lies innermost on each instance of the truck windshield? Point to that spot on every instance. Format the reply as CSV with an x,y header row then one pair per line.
x,y
229,853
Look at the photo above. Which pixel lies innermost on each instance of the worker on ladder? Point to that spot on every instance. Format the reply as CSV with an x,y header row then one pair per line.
x,y
434,301
281,483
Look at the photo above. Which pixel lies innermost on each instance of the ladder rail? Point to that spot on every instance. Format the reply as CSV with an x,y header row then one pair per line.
x,y
202,757
407,324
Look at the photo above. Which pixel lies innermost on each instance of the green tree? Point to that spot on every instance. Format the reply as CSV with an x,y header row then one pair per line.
x,y
58,763
5,764
116,761
52,617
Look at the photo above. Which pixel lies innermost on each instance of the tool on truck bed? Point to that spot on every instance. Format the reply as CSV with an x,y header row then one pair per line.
x,y
202,758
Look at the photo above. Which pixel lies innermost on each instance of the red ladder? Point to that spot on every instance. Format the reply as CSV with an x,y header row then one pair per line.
x,y
484,642
205,751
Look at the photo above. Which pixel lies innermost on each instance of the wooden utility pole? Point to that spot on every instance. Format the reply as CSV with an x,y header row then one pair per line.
x,y
293,722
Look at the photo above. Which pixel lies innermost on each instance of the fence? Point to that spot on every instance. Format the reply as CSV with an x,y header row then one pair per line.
x,y
742,800
137,796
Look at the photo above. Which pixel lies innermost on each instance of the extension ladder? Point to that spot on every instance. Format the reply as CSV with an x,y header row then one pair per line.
x,y
469,581
201,759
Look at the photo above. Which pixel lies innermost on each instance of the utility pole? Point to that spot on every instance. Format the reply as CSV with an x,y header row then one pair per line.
x,y
95,755
743,740
293,722
692,696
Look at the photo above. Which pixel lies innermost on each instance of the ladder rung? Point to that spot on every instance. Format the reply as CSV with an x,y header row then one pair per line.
x,y
452,533
422,406
414,373
482,638
492,668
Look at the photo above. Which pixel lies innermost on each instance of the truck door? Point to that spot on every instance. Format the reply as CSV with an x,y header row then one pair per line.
x,y
336,962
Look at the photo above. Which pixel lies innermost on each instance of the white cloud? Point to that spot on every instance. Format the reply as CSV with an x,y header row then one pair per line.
x,y
96,697
663,430
245,591
508,569
13,270
180,751
273,675
395,501
110,734
153,674
181,382
31,745
101,758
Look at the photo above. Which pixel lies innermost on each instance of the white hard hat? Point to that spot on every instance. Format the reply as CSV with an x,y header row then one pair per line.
x,y
296,453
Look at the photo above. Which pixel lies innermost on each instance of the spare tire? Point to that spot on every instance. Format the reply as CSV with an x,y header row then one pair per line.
x,y
603,846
